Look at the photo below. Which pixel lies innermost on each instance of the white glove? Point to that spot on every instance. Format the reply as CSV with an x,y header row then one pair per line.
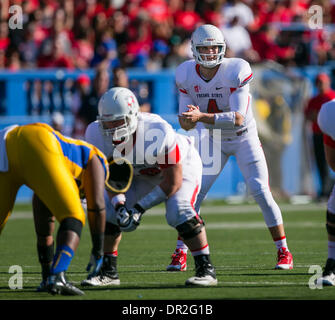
x,y
134,219
122,216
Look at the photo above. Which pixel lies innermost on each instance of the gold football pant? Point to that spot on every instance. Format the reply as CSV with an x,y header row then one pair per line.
x,y
36,160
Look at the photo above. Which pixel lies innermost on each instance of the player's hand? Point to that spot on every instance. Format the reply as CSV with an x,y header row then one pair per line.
x,y
122,216
192,115
94,264
134,220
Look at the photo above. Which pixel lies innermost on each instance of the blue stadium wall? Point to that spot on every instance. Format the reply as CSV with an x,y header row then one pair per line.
x,y
163,98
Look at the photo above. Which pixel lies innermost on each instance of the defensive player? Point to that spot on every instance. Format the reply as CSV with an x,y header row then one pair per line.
x,y
214,97
167,168
56,168
326,120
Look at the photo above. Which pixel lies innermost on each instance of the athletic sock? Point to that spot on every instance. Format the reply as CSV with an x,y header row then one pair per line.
x,y
281,243
45,257
62,259
181,245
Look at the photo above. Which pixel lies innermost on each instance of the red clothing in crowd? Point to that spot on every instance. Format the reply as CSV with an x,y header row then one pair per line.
x,y
314,105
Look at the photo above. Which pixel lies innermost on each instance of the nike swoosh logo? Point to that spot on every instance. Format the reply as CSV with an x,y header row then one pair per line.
x,y
218,88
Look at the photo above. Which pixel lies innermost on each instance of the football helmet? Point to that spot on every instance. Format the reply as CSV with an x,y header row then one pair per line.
x,y
115,105
208,35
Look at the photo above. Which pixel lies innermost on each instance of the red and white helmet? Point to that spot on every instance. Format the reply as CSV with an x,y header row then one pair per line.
x,y
208,35
118,104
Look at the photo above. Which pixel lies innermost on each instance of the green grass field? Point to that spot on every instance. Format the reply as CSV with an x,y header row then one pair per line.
x,y
241,250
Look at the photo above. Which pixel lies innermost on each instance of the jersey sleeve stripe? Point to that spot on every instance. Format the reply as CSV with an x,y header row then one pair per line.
x,y
183,91
246,80
171,158
247,105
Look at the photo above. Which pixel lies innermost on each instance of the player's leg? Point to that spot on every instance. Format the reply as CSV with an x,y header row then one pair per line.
x,y
328,275
108,274
8,191
45,172
44,227
181,214
252,163
179,256
193,233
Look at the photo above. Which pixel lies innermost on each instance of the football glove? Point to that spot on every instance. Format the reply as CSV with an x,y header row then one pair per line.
x,y
134,219
122,216
94,264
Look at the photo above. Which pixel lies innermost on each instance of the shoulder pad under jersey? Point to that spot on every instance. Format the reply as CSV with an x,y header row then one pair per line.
x,y
182,72
237,72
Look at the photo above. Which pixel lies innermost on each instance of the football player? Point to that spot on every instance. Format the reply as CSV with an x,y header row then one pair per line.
x,y
167,168
56,168
326,120
214,98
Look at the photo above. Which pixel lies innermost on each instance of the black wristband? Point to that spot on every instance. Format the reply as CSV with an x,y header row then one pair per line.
x,y
98,244
119,205
139,208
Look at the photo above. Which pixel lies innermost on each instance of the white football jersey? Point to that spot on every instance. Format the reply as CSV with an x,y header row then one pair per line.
x,y
227,91
326,118
154,146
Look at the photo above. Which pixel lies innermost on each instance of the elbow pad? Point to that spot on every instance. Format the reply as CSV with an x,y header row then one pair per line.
x,y
225,120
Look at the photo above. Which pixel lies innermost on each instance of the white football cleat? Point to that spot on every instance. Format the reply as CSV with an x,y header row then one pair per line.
x,y
205,281
101,281
204,273
327,280
328,275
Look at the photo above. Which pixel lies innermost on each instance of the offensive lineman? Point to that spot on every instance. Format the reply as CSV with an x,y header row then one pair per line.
x,y
167,168
214,95
326,120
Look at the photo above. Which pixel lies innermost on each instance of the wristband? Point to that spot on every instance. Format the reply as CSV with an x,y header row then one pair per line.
x,y
117,199
225,120
154,197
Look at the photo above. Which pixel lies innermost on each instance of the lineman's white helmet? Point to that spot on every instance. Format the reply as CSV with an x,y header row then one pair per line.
x,y
118,104
208,35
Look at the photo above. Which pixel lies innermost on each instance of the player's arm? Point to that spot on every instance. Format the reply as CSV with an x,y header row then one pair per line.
x,y
172,181
94,185
184,101
222,119
330,156
329,145
169,162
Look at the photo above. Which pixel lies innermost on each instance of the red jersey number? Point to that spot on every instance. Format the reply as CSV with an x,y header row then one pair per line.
x,y
212,107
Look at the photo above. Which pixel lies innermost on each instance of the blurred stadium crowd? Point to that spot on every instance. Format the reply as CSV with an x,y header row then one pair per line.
x,y
154,34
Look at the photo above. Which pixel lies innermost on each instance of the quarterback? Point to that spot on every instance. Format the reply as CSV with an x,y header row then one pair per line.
x,y
326,120
214,98
167,168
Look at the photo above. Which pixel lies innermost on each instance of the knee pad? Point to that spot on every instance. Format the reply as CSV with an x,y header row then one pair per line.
x,y
331,219
112,230
190,228
71,224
